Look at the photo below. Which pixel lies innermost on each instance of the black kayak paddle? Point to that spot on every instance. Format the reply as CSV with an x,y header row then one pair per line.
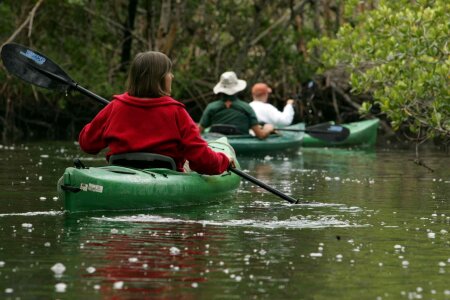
x,y
325,131
33,67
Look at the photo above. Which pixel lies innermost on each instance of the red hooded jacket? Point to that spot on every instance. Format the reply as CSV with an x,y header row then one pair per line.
x,y
155,125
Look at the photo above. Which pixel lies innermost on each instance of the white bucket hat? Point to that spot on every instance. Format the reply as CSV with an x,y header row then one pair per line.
x,y
229,84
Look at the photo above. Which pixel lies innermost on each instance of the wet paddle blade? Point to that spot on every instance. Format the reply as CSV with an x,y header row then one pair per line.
x,y
328,132
33,67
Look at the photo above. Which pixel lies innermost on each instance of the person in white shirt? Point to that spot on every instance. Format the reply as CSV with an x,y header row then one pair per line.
x,y
266,112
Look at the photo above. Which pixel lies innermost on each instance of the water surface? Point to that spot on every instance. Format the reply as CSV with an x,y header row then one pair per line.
x,y
371,225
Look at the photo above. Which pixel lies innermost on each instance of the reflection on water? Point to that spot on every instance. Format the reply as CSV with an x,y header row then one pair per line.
x,y
371,225
175,252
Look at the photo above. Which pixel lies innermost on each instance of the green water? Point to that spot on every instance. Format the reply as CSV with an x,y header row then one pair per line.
x,y
372,225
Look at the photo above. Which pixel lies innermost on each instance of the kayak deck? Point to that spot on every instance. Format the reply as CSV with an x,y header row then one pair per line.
x,y
118,188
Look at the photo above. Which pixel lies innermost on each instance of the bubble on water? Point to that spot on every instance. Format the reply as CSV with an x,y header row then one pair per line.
x,y
133,259
262,252
238,278
443,231
314,255
328,178
9,290
90,270
58,268
174,251
60,287
96,286
47,244
399,248
44,155
442,264
118,285
380,264
339,257
194,285
431,235
27,225
114,231
268,157
405,263
2,263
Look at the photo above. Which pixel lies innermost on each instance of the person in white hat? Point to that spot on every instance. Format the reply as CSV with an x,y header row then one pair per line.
x,y
266,112
231,112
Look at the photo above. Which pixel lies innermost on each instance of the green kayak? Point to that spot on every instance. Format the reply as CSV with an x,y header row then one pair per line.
x,y
113,187
362,134
275,143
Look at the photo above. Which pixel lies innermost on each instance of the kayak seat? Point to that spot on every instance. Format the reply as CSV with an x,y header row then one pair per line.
x,y
142,160
225,129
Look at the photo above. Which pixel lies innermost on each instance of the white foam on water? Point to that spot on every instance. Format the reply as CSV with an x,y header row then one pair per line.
x,y
292,223
35,213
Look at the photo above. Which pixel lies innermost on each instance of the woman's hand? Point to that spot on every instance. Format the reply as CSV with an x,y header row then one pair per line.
x,y
231,161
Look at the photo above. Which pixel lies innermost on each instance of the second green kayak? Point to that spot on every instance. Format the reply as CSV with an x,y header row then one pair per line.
x,y
275,143
362,134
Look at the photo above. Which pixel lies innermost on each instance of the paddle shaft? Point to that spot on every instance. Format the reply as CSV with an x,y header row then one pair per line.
x,y
72,84
305,130
263,185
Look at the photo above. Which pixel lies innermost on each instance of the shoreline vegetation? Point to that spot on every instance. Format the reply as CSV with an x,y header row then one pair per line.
x,y
341,62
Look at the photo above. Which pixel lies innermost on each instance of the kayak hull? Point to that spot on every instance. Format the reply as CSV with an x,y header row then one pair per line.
x,y
282,142
116,188
362,134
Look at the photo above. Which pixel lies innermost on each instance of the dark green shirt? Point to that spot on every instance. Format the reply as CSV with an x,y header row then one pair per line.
x,y
239,114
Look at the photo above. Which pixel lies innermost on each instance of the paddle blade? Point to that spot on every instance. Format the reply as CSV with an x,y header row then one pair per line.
x,y
33,67
328,132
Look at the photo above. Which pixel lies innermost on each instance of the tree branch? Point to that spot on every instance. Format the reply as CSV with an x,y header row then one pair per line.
x,y
28,21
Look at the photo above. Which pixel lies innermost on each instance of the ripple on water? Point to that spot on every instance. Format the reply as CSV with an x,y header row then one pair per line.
x,y
34,213
291,223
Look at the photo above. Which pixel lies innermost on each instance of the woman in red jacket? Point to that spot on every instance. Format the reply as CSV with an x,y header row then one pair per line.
x,y
147,119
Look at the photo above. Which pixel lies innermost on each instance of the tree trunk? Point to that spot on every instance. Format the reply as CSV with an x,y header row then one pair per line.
x,y
150,28
127,39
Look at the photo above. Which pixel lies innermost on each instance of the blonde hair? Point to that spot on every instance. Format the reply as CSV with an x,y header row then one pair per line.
x,y
146,78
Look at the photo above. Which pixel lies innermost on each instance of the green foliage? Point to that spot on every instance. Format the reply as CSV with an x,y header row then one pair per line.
x,y
400,53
